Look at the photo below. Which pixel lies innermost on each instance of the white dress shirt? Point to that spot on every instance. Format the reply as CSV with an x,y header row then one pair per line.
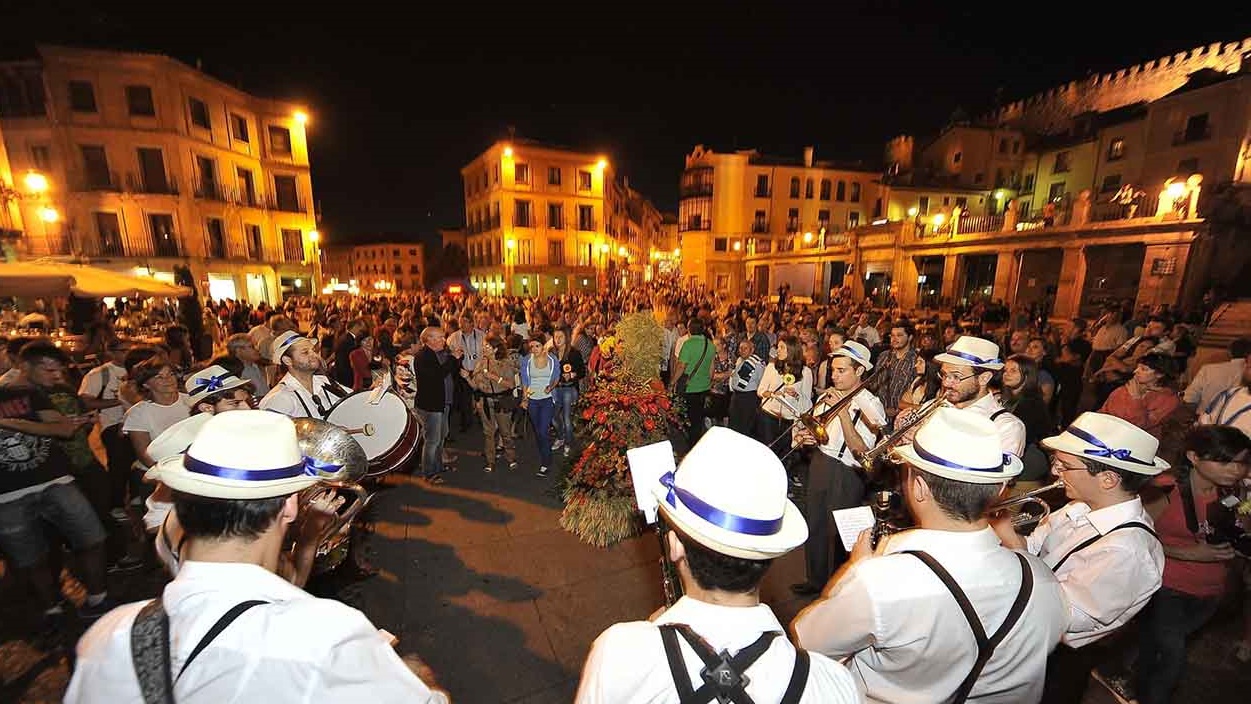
x,y
296,649
627,662
1011,429
871,412
772,382
290,398
905,636
1109,581
1211,380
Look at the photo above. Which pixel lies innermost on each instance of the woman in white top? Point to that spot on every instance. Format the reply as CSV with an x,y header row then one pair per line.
x,y
539,376
162,405
785,393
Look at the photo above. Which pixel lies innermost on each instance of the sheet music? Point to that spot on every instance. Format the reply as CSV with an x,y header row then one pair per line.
x,y
851,522
647,465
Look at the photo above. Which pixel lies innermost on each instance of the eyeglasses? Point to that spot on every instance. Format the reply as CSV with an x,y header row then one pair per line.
x,y
954,378
1057,465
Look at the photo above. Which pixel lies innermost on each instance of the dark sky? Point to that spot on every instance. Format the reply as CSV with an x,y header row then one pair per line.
x,y
401,99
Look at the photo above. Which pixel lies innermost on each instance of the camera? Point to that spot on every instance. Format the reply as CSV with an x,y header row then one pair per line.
x,y
1224,525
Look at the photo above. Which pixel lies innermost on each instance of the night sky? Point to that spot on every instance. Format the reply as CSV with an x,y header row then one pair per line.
x,y
400,100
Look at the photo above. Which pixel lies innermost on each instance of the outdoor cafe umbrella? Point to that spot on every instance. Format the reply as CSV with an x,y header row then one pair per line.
x,y
48,279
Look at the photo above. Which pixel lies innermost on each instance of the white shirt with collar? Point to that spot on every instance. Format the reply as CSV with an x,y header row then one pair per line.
x,y
1211,380
290,398
1011,429
627,662
1109,581
906,639
298,649
866,410
471,343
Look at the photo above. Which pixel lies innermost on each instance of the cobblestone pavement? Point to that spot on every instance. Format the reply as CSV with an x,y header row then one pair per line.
x,y
476,576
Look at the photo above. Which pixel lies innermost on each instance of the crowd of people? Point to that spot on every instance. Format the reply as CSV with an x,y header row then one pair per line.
x,y
975,404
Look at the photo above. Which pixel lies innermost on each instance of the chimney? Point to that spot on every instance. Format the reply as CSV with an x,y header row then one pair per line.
x,y
808,156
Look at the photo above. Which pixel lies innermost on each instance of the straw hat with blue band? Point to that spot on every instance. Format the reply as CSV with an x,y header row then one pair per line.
x,y
243,455
1112,441
856,351
969,351
962,446
283,344
729,495
211,380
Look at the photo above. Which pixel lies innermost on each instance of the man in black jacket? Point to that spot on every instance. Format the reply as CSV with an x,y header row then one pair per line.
x,y
433,367
348,342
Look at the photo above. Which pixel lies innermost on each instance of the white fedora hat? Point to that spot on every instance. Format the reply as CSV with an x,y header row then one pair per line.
x,y
242,455
283,342
855,351
963,446
971,351
175,440
1111,441
211,380
729,495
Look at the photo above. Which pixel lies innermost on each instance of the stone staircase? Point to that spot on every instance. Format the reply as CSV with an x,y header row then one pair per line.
x,y
1232,320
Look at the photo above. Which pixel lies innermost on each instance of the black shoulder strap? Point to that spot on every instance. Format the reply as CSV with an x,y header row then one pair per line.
x,y
149,653
222,623
1095,538
1188,504
998,413
104,381
985,646
799,678
723,675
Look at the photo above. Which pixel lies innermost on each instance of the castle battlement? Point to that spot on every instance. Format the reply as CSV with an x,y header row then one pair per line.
x,y
1051,110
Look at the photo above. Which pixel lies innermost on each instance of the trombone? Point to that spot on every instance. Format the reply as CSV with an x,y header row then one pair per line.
x,y
815,423
1017,503
888,443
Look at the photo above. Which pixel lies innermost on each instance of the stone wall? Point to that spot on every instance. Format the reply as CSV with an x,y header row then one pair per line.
x,y
1050,111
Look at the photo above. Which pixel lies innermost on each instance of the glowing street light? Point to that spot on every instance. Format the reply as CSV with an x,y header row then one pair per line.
x,y
1176,190
301,118
677,252
939,219
621,251
602,163
314,236
35,182
510,243
807,237
603,248
912,212
508,152
49,214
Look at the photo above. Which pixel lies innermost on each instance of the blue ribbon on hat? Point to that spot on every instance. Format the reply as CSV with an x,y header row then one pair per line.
x,y
973,358
851,351
212,383
1103,450
309,466
931,457
717,517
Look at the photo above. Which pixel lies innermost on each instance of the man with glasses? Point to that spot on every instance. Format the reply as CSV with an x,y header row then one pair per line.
x,y
967,368
1102,545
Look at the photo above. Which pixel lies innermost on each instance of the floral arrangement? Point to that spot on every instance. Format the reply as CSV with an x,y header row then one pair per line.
x,y
626,407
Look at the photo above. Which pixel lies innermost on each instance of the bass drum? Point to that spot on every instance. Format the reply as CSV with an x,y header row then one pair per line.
x,y
382,424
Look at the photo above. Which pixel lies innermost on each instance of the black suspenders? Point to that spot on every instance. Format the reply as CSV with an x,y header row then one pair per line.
x,y
1095,538
724,676
985,646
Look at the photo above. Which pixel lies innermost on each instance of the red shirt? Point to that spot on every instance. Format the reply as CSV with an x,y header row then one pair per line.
x,y
1202,579
1148,412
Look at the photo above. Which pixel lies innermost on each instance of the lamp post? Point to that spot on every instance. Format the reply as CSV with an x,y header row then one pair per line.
x,y
314,237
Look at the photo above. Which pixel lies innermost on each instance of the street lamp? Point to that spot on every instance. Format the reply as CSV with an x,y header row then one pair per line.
x,y
35,182
49,214
301,118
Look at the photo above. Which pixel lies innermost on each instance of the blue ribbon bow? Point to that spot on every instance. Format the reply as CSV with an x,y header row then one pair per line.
x,y
308,466
1103,450
717,517
973,358
931,457
212,383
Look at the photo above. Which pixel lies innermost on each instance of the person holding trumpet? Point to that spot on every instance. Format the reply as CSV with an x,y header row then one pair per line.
x,y
228,628
1102,544
834,475
943,612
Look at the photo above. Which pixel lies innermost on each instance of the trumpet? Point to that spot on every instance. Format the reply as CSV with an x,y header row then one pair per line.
x,y
1016,503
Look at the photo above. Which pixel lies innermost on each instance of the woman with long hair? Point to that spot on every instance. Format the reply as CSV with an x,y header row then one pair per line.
x,y
785,392
1022,396
540,372
572,371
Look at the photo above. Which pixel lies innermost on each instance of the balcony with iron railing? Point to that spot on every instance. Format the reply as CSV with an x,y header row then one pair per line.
x,y
99,181
137,183
760,226
696,190
792,225
762,193
211,190
284,205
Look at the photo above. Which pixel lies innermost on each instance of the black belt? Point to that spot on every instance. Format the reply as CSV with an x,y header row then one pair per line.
x,y
497,394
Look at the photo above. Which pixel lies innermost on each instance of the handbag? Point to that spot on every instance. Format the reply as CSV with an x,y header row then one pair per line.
x,y
679,386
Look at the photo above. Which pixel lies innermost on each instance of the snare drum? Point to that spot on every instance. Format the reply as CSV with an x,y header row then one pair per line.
x,y
382,424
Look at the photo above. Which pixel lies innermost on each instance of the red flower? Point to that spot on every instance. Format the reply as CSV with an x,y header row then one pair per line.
x,y
586,415
663,403
601,417
649,424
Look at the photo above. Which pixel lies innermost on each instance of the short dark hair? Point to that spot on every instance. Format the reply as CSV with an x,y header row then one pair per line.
x,y
1217,443
218,519
1161,363
139,355
41,350
145,370
962,501
1240,348
695,326
714,570
905,325
1130,481
213,398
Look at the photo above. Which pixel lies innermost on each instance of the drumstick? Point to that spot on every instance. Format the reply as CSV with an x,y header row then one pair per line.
x,y
366,430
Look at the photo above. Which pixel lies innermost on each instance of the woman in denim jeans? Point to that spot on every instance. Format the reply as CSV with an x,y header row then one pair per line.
x,y
572,370
540,371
